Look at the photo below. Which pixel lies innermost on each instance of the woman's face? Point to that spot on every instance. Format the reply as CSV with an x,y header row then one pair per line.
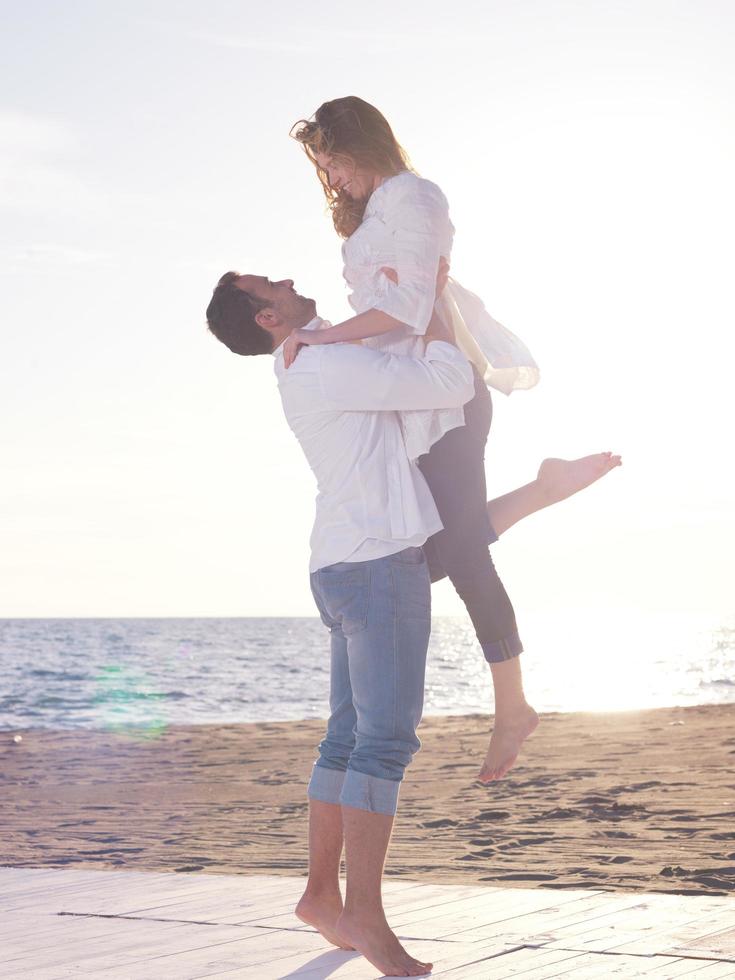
x,y
344,174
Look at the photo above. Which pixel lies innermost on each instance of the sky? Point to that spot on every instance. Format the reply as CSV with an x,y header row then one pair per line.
x,y
587,151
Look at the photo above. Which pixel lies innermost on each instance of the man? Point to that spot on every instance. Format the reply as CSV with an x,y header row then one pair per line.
x,y
369,579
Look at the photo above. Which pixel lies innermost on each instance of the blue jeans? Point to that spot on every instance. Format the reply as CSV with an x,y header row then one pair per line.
x,y
379,616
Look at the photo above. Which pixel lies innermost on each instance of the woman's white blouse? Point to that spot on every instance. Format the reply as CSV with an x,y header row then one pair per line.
x,y
406,227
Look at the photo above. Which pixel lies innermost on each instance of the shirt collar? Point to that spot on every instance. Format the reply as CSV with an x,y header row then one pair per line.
x,y
316,324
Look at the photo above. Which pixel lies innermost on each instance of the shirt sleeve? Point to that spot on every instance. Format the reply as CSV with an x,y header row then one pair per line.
x,y
417,215
360,379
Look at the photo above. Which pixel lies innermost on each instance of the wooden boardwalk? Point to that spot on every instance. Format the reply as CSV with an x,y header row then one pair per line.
x,y
126,925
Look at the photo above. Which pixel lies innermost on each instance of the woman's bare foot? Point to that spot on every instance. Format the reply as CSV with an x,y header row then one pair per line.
x,y
321,912
560,478
506,741
370,934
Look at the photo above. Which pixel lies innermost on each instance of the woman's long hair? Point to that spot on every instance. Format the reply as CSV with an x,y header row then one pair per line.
x,y
351,129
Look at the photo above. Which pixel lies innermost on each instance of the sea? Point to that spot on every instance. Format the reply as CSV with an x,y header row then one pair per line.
x,y
147,674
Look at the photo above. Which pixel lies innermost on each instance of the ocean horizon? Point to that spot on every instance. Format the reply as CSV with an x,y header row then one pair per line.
x,y
150,673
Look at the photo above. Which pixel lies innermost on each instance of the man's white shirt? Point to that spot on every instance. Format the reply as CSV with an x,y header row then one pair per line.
x,y
341,400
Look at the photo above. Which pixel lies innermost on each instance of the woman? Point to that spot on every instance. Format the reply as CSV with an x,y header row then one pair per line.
x,y
397,231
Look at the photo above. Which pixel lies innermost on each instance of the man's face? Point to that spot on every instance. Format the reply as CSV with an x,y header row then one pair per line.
x,y
280,297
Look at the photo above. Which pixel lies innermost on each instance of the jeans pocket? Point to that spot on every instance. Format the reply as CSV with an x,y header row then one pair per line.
x,y
345,592
409,556
412,588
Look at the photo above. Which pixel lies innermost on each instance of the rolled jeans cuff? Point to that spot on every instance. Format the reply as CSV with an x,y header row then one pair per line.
x,y
325,784
506,649
371,793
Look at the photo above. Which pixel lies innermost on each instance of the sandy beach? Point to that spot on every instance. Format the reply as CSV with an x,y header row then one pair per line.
x,y
633,800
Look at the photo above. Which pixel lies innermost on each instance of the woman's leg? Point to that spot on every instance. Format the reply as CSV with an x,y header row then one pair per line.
x,y
455,472
557,479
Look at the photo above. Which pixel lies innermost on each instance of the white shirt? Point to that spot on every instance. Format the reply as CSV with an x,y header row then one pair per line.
x,y
406,227
341,402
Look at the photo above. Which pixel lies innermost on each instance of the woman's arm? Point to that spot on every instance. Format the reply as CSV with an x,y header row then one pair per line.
x,y
372,323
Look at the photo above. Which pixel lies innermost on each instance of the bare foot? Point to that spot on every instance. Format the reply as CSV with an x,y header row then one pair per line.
x,y
505,743
560,478
371,935
322,912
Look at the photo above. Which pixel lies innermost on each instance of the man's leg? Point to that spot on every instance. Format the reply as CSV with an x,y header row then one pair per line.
x,y
321,904
387,639
363,922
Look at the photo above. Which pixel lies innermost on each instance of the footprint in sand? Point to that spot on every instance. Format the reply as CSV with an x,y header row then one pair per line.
x,y
619,811
292,808
559,813
524,842
526,876
635,787
441,822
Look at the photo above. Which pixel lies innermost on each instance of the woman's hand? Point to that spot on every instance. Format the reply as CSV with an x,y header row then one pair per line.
x,y
438,329
294,342
442,274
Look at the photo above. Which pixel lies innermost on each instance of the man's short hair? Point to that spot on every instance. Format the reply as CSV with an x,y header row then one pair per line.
x,y
231,318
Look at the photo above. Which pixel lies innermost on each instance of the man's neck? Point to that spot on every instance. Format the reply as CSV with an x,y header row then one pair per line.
x,y
285,330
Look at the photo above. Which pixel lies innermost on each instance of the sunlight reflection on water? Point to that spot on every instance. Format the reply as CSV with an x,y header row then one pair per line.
x,y
116,674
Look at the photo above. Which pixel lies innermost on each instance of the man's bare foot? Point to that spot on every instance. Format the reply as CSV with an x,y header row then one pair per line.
x,y
505,743
560,478
322,912
371,935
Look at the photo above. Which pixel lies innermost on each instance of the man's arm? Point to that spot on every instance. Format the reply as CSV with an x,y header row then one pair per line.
x,y
360,379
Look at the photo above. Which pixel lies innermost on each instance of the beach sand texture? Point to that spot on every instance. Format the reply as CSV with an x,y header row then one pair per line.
x,y
640,800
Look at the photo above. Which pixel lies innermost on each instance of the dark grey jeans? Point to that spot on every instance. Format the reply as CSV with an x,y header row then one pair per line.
x,y
455,471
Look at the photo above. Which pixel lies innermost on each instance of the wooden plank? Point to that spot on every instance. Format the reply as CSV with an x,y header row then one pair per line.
x,y
16,879
160,898
714,971
600,966
673,936
585,933
82,936
450,919
715,945
416,899
105,893
677,925
669,970
252,958
212,907
648,920
133,944
522,918
449,960
526,963
545,925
